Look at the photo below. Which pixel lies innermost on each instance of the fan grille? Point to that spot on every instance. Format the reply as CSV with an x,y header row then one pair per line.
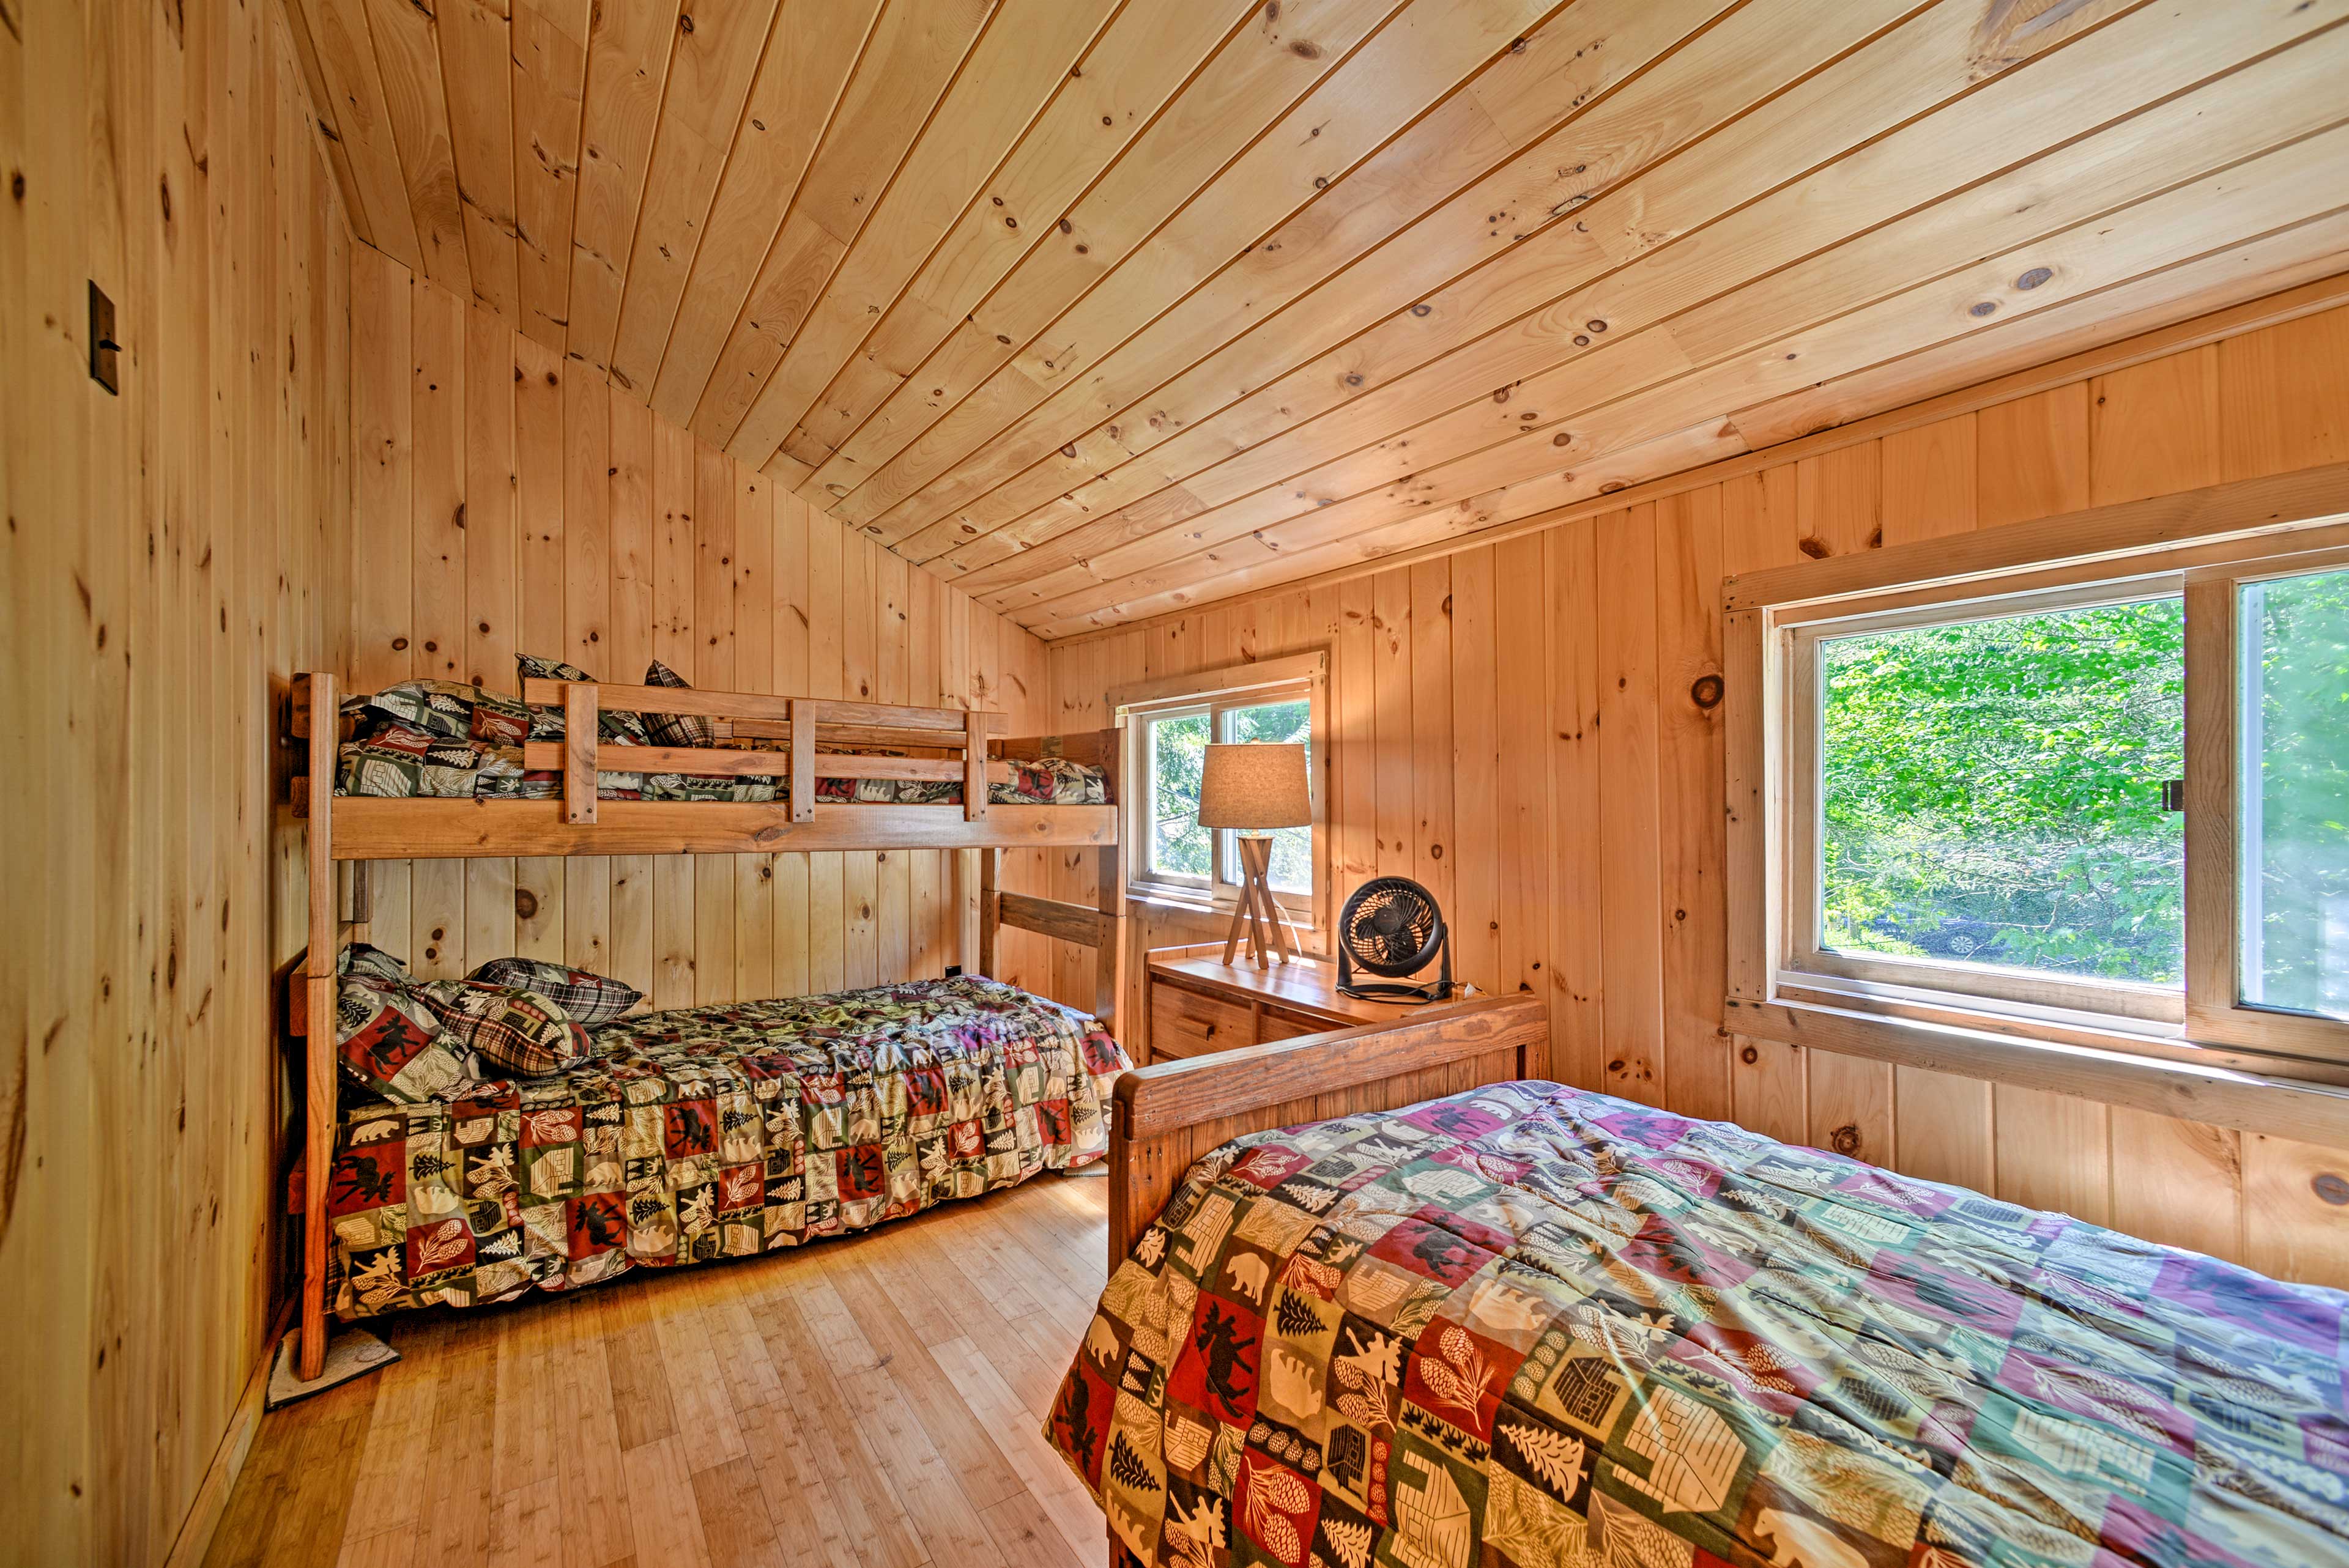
x,y
1388,925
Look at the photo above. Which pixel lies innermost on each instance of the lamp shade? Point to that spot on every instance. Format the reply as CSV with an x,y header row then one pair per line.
x,y
1257,785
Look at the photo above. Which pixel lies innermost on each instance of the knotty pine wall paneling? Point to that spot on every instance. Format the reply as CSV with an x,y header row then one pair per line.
x,y
171,556
511,502
1533,727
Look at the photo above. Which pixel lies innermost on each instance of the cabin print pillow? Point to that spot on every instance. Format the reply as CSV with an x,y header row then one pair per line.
x,y
360,958
401,760
615,725
455,710
388,1040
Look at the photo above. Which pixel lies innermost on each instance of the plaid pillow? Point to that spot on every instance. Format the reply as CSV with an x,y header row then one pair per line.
x,y
388,1040
675,729
519,1031
615,724
454,710
590,999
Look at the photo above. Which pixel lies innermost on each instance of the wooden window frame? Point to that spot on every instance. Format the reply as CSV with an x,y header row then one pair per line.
x,y
2202,545
1213,692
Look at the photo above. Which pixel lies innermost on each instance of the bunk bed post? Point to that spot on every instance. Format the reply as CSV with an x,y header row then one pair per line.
x,y
1109,931
581,732
324,726
800,751
962,869
974,766
1109,882
989,912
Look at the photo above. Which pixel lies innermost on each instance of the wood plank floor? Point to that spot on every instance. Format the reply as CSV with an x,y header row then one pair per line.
x,y
872,1400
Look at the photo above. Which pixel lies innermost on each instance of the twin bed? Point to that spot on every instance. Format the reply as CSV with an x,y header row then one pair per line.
x,y
701,1133
1386,1296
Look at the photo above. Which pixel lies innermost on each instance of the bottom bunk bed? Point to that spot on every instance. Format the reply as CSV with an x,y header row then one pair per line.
x,y
1525,1324
702,1134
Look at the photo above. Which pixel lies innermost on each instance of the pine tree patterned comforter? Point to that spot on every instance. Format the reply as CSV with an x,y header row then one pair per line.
x,y
1531,1325
711,1132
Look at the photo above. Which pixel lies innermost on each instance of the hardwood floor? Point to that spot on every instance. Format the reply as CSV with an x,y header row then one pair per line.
x,y
871,1400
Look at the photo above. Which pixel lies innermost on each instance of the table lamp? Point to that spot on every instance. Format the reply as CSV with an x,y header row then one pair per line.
x,y
1255,787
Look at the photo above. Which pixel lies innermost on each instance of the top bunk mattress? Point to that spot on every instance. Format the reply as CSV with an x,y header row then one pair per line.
x,y
1533,1326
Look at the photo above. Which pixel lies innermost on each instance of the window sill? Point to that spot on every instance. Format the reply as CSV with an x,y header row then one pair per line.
x,y
2135,1070
1205,906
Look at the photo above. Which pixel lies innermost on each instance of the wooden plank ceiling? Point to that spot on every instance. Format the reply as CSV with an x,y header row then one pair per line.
x,y
1101,308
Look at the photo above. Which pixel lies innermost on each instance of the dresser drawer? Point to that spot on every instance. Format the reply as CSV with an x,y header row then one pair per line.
x,y
1189,1024
1276,1025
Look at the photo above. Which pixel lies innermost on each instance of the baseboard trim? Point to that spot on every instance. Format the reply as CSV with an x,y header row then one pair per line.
x,y
210,1502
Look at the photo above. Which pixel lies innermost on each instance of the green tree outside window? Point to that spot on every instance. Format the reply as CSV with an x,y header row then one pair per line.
x,y
1992,792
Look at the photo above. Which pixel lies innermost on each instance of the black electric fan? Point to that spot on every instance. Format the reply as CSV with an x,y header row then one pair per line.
x,y
1393,927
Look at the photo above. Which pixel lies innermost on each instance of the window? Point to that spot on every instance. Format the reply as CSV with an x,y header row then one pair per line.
x,y
2291,774
2086,801
1987,811
1169,725
2267,804
1176,848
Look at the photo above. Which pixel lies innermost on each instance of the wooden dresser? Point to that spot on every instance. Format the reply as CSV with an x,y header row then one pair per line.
x,y
1199,1004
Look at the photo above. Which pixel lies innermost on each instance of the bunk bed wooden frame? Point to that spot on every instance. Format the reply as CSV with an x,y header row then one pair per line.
x,y
962,745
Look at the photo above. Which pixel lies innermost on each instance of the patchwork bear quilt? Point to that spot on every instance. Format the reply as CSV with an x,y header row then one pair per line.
x,y
711,1132
1532,1325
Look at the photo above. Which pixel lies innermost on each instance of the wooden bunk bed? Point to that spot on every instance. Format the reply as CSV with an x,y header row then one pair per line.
x,y
930,744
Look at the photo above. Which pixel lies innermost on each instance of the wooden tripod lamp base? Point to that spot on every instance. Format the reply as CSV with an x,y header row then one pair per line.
x,y
1253,788
1257,910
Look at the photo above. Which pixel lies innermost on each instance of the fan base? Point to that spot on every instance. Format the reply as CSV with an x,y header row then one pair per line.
x,y
1371,991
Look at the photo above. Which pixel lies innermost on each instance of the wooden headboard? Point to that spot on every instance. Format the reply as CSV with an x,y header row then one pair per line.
x,y
1165,1116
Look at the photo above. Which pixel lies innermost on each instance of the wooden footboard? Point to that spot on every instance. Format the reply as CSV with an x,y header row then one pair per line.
x,y
1166,1116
